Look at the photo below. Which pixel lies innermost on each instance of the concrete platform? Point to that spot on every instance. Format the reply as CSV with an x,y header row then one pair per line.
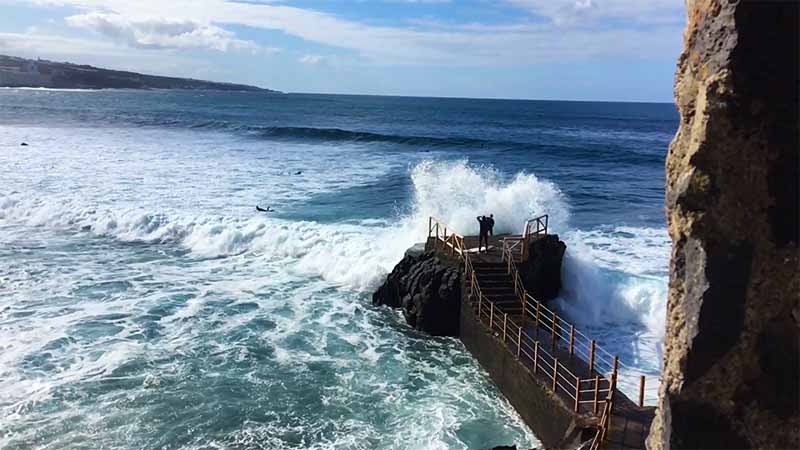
x,y
551,415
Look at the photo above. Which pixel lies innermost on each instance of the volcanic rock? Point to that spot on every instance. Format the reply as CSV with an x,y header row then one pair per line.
x,y
541,273
731,363
428,290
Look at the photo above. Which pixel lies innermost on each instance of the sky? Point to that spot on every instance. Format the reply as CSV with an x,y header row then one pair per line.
x,y
612,50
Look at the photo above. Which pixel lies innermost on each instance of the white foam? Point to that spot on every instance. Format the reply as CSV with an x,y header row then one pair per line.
x,y
612,277
457,192
616,277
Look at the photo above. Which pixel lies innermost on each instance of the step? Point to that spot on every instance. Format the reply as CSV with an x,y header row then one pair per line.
x,y
497,290
493,285
496,280
494,276
502,300
511,309
490,265
491,271
501,297
506,304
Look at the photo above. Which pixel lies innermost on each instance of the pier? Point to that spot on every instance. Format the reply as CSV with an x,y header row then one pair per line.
x,y
541,362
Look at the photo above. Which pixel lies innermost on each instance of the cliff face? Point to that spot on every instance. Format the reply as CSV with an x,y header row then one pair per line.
x,y
730,375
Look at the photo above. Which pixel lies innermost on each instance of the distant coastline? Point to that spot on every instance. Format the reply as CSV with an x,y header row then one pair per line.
x,y
39,73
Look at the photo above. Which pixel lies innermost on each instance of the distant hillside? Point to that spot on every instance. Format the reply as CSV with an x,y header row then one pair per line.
x,y
21,72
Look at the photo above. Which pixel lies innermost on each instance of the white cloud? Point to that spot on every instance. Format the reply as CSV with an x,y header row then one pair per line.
x,y
161,32
573,31
418,1
311,59
89,51
33,44
589,12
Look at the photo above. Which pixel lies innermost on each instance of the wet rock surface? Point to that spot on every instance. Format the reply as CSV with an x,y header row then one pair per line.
x,y
428,289
731,345
541,273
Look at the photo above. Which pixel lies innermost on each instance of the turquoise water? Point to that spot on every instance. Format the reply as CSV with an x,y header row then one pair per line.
x,y
145,304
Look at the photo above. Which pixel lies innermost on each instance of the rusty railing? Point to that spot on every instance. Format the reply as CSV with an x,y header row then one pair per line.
x,y
593,395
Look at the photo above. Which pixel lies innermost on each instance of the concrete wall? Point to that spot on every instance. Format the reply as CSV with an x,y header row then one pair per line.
x,y
550,419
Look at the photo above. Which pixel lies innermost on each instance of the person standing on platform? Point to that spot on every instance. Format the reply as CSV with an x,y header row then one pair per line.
x,y
487,226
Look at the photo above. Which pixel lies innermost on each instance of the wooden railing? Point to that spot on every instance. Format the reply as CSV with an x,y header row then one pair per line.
x,y
453,241
605,422
515,247
589,395
519,245
536,226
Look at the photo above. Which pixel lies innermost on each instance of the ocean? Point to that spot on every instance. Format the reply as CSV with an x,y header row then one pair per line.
x,y
146,304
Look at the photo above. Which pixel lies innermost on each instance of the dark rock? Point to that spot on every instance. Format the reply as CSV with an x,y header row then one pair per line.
x,y
541,272
416,249
428,290
24,144
731,364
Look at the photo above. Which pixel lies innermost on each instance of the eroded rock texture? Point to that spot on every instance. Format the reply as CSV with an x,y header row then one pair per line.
x,y
428,290
733,323
541,272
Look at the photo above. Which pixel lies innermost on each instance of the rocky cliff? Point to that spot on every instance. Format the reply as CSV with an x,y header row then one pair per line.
x,y
428,289
730,377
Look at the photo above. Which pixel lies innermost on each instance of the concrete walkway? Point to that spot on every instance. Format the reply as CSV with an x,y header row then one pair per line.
x,y
629,423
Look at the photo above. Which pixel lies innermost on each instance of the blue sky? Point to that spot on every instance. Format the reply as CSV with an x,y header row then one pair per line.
x,y
617,50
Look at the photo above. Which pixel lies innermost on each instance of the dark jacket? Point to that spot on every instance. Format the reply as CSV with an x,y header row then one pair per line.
x,y
487,225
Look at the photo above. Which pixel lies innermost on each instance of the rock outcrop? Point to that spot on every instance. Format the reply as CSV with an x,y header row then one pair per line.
x,y
428,290
541,272
730,377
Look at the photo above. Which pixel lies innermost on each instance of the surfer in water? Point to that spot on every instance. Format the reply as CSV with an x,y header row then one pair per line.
x,y
260,209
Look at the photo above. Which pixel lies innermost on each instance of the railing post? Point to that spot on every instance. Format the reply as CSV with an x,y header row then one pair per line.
x,y
480,306
522,298
553,335
519,340
577,394
491,316
555,374
596,391
591,356
536,324
571,340
614,373
641,391
535,356
505,324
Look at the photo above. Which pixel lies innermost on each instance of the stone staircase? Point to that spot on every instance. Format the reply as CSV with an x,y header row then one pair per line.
x,y
498,286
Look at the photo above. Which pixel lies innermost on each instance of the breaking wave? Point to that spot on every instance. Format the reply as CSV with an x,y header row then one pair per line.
x,y
610,276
